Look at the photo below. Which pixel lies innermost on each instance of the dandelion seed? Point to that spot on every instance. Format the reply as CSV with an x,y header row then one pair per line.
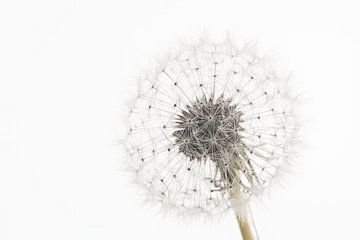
x,y
210,129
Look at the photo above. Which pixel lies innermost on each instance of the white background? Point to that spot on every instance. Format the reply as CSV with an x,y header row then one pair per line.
x,y
67,69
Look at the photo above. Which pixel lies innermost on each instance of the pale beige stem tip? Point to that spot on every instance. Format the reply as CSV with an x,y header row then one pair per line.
x,y
247,226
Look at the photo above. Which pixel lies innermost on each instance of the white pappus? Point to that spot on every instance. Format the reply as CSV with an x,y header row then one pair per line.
x,y
210,128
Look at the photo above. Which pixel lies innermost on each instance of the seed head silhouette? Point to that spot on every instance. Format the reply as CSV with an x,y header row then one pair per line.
x,y
210,129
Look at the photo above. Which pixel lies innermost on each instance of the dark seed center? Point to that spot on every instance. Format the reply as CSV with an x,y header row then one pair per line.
x,y
208,129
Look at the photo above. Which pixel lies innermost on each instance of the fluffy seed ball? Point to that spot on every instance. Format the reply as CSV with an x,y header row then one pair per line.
x,y
211,126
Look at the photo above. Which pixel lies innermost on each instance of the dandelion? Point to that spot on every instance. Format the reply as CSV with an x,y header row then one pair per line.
x,y
209,130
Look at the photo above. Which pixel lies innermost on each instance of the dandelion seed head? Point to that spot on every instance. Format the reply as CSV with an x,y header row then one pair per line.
x,y
210,127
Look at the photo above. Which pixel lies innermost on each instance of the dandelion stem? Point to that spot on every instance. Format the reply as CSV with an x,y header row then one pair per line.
x,y
247,226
